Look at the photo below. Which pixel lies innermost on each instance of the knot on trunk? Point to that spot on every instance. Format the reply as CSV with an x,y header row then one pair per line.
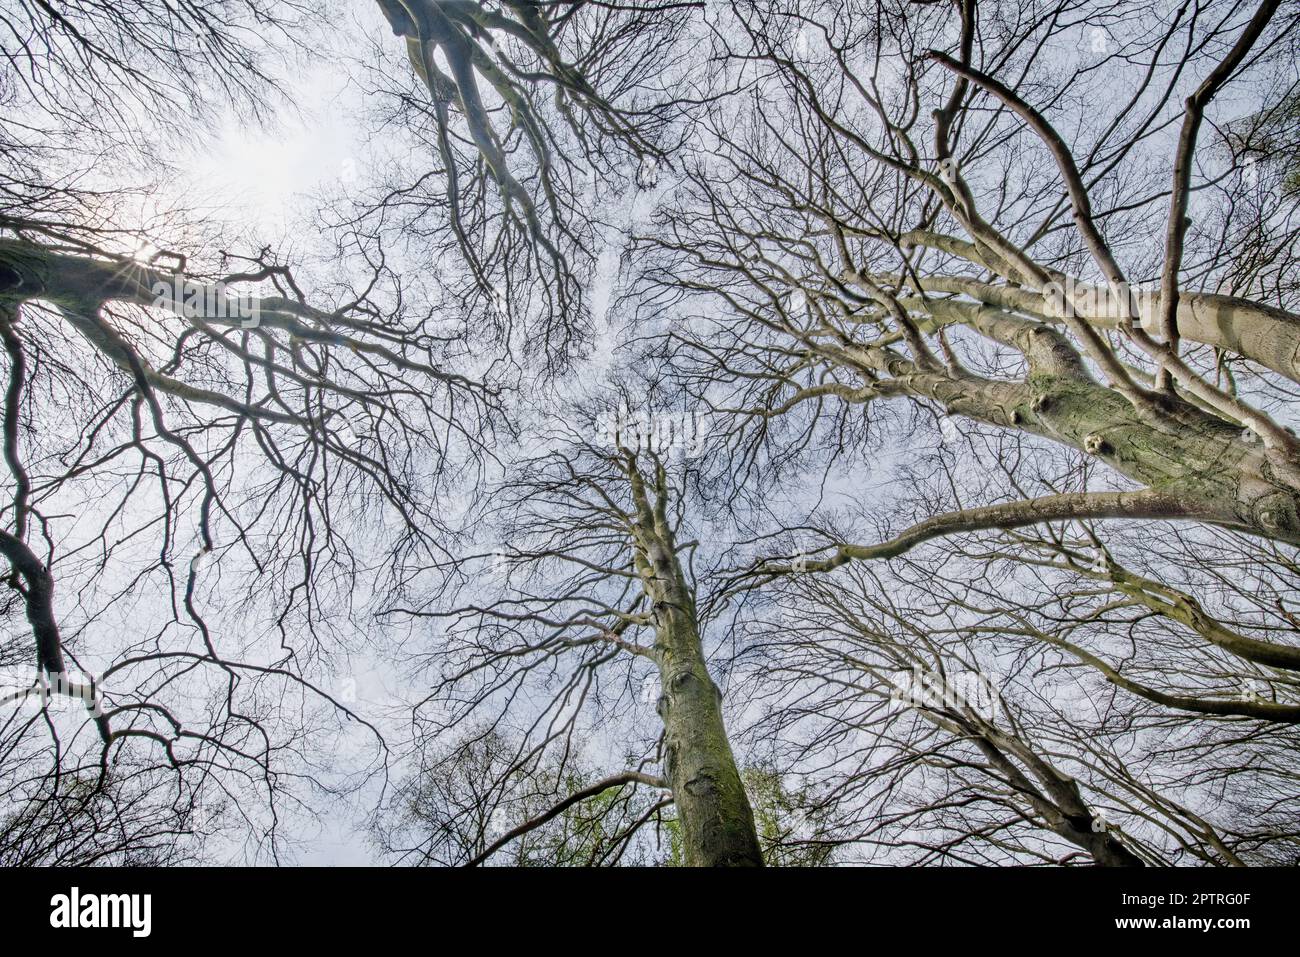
x,y
1276,512
703,784
11,280
1096,444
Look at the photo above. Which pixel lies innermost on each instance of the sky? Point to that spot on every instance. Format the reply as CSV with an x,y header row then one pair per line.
x,y
259,183
262,182
254,175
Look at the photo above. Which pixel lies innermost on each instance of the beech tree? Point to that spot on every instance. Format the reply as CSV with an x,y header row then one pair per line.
x,y
913,224
191,441
527,118
988,702
594,580
680,404
857,257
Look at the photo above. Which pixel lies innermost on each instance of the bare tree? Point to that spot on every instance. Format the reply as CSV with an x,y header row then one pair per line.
x,y
867,253
830,246
941,707
595,535
982,324
533,115
192,443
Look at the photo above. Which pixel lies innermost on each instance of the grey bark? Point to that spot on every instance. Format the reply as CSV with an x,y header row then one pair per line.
x,y
717,823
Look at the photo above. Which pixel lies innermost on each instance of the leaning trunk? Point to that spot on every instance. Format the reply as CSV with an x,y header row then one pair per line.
x,y
717,823
716,820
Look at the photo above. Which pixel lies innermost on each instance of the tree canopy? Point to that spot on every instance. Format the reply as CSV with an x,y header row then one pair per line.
x,y
796,432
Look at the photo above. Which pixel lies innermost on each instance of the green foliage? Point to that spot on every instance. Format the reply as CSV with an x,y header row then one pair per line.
x,y
464,799
791,828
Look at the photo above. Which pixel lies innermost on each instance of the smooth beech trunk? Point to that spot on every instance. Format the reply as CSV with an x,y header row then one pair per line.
x,y
716,820
717,823
1214,471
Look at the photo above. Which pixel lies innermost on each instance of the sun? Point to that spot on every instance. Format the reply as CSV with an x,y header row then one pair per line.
x,y
145,253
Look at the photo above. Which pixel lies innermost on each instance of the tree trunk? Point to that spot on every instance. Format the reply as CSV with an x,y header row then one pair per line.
x,y
1219,473
716,820
717,823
